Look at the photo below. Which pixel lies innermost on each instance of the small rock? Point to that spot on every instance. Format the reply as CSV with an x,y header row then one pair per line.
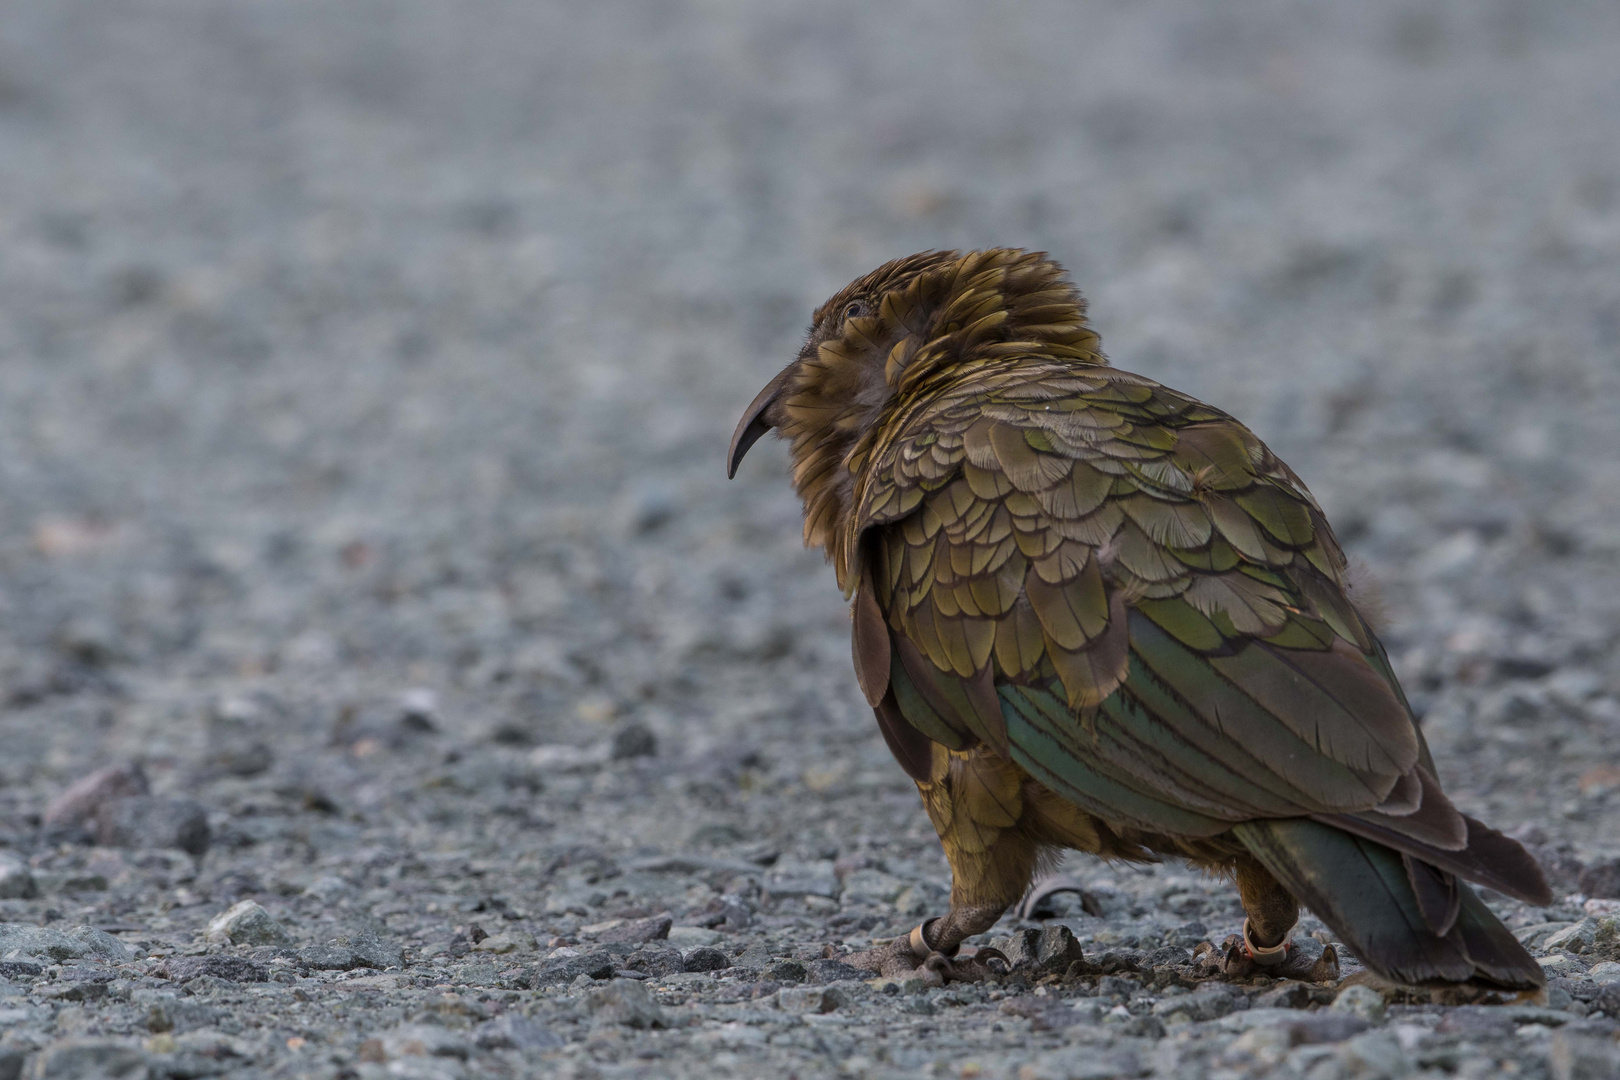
x,y
692,937
16,879
19,969
1606,972
638,931
1577,938
177,1015
827,971
508,942
74,991
1056,948
1373,1053
706,958
565,969
183,969
1020,948
329,957
144,821
424,1040
1608,1000
419,710
76,942
1582,1057
810,999
1602,879
246,923
626,1002
510,1031
787,971
11,1063
656,960
633,741
88,1059
1197,1006
1288,995
80,801
1362,1001
803,879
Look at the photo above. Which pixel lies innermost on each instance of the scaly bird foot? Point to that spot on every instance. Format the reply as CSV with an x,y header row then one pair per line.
x,y
911,957
1239,961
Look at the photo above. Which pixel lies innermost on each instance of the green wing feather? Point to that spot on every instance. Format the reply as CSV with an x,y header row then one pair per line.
x,y
1155,596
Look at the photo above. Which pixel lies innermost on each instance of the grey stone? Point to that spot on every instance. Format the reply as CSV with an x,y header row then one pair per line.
x,y
16,879
1602,879
247,923
89,1059
633,741
1362,1001
11,1063
810,999
638,931
511,1031
330,957
788,880
656,960
556,971
1576,938
1020,948
81,800
706,958
1288,995
1373,1053
1056,948
424,1040
828,971
179,1015
1582,1057
183,969
625,1002
145,821
1197,1006
788,971
74,943
370,949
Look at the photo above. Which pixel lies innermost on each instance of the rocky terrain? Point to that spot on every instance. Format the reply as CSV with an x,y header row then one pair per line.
x,y
391,684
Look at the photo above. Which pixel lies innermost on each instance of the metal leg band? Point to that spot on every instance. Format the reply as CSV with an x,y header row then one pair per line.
x,y
1268,956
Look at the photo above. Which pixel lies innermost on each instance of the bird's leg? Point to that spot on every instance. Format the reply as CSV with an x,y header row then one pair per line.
x,y
991,868
1271,909
1264,947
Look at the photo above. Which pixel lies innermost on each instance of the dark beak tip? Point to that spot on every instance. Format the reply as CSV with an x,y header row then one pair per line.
x,y
752,426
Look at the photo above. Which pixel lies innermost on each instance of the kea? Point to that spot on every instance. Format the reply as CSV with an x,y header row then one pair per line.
x,y
1093,613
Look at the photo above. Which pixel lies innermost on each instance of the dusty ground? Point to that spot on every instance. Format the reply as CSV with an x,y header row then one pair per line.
x,y
366,374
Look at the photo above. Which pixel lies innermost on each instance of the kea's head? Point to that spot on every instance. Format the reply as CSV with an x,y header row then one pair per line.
x,y
896,335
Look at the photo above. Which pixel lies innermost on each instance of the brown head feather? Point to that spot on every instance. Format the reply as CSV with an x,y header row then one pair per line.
x,y
898,336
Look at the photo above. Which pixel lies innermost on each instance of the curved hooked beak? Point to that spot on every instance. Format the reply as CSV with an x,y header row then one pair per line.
x,y
753,423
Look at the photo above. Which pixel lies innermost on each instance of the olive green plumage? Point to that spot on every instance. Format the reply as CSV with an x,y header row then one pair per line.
x,y
1123,592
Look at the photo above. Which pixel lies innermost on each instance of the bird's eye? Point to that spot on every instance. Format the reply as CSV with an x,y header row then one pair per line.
x,y
854,309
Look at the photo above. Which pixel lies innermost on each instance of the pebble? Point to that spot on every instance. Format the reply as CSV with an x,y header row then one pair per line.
x,y
246,923
16,879
145,821
638,931
80,801
810,999
20,940
1362,1001
706,959
625,1002
183,969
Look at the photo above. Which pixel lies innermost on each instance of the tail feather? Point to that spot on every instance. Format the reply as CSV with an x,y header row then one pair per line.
x,y
1363,891
1489,858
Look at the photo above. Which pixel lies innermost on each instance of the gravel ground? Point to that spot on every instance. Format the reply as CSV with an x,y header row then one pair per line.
x,y
392,684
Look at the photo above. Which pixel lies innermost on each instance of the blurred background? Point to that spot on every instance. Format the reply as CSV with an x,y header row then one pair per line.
x,y
352,349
